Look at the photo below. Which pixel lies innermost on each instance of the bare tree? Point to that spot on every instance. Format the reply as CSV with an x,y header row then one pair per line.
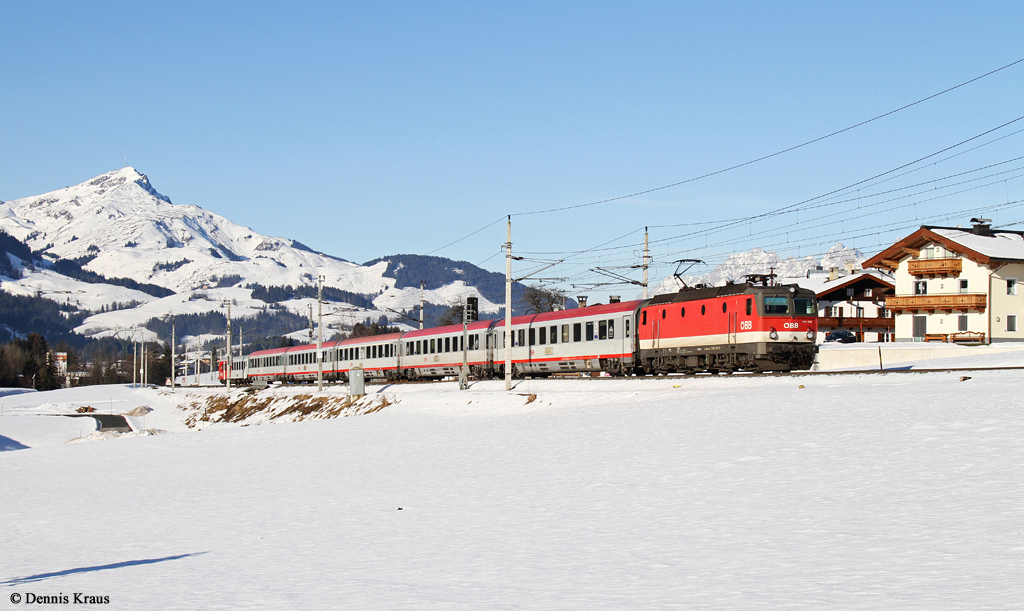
x,y
538,299
452,317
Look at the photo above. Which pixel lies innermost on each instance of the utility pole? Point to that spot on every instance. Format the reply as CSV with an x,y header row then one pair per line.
x,y
135,362
142,353
464,372
174,365
508,307
319,334
227,343
423,285
647,262
311,323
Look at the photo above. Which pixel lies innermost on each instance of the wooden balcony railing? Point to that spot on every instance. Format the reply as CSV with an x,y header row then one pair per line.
x,y
855,322
936,267
932,303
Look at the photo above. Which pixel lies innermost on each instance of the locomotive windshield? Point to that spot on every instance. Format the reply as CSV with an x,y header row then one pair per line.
x,y
784,305
805,306
776,305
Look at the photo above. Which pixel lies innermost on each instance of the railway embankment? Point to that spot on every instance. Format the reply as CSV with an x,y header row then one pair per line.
x,y
251,406
888,355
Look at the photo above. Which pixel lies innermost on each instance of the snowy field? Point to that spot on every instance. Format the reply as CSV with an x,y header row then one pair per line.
x,y
893,491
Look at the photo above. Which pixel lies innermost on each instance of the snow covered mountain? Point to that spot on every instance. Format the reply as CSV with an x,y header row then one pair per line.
x,y
760,261
117,225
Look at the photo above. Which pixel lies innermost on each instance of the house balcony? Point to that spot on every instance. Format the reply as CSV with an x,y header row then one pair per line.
x,y
856,323
936,267
937,303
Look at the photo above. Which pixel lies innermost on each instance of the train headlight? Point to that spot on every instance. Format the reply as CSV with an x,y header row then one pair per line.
x,y
810,334
773,334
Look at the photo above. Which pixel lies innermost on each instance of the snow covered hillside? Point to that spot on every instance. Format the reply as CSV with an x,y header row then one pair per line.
x,y
125,228
832,492
119,226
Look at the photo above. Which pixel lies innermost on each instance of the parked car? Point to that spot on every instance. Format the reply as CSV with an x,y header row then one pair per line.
x,y
841,337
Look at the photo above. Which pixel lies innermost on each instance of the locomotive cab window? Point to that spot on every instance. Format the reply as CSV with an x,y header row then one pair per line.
x,y
776,305
805,306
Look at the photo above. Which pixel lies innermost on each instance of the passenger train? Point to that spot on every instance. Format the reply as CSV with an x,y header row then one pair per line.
x,y
737,327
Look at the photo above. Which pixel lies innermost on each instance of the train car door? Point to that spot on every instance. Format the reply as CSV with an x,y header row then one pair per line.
x,y
625,335
732,322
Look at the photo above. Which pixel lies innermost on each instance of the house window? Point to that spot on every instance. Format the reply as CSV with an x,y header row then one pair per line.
x,y
867,292
963,285
849,292
921,287
961,322
1011,286
1011,322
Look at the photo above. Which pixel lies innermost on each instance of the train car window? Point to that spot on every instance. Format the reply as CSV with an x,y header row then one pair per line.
x,y
723,307
433,346
577,332
643,317
682,312
565,334
542,336
590,331
554,334
522,337
602,329
703,310
533,336
611,329
663,314
776,305
627,327
749,300
447,344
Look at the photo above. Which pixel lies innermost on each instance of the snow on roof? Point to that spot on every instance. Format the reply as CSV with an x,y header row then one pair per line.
x,y
820,283
999,245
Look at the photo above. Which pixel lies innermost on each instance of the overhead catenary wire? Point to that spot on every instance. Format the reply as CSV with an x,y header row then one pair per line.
x,y
769,156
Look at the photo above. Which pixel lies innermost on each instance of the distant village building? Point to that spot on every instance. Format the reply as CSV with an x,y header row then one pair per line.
x,y
956,284
851,300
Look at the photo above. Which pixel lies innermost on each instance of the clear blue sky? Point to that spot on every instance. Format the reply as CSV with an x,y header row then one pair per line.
x,y
368,129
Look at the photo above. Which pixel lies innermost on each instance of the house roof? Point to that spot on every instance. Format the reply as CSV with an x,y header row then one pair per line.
x,y
999,247
821,285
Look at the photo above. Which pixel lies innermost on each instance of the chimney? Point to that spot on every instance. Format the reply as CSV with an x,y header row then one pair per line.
x,y
833,273
849,268
614,299
982,226
582,300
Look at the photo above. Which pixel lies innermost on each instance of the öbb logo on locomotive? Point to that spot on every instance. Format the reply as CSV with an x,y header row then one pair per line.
x,y
703,329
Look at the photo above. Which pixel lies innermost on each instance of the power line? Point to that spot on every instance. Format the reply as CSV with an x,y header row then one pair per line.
x,y
775,154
